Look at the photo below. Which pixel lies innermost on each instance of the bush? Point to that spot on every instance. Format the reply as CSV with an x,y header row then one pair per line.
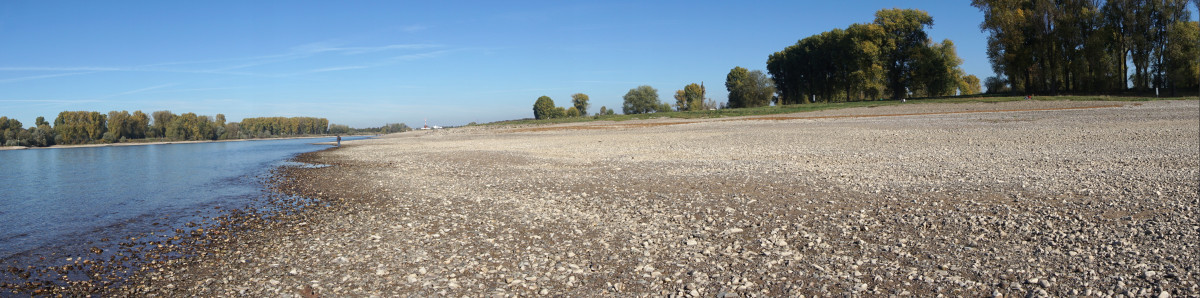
x,y
572,112
543,108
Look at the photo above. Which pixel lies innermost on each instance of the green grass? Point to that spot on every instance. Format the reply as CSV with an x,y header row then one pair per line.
x,y
799,108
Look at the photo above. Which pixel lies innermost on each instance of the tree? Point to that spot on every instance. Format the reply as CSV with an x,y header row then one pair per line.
x,y
41,121
580,101
641,100
748,88
79,127
936,71
691,98
119,126
140,125
996,85
42,135
906,31
573,112
161,120
1081,46
1183,70
969,84
603,111
543,108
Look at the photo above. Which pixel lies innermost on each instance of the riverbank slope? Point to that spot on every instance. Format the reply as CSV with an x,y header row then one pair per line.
x,y
1048,198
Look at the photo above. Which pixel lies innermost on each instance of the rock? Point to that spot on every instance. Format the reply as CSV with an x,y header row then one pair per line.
x,y
341,260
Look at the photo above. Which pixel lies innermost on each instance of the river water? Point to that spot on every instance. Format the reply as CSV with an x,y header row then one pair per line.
x,y
57,201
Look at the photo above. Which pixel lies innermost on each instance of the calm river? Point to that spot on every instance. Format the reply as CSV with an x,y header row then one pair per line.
x,y
58,201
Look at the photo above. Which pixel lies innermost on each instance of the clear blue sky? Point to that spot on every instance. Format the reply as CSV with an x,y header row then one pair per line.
x,y
365,63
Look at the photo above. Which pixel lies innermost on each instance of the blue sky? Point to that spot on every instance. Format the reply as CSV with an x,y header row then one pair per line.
x,y
365,63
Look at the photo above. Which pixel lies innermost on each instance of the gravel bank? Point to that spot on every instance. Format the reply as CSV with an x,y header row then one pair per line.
x,y
1094,201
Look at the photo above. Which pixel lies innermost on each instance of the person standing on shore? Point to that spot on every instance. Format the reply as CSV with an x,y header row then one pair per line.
x,y
339,140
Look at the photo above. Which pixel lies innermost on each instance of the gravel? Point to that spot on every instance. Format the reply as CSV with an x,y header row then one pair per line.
x,y
1031,198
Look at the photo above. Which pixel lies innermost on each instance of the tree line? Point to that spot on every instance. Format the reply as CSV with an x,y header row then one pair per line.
x,y
88,127
340,129
544,108
1079,46
1035,46
891,57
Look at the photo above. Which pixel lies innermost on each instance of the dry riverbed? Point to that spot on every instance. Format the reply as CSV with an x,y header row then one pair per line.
x,y
1041,198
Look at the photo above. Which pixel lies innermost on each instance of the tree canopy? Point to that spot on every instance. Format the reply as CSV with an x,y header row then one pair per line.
x,y
891,56
748,88
580,102
1042,46
642,100
691,98
543,108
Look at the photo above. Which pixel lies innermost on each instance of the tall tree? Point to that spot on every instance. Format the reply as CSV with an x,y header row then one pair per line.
x,y
691,98
641,100
906,29
748,88
543,108
161,120
969,84
79,127
580,102
140,124
936,71
1183,68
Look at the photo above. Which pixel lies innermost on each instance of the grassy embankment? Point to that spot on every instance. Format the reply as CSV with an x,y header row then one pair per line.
x,y
787,109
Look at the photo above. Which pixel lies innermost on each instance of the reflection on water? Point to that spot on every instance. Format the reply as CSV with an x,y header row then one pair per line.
x,y
57,200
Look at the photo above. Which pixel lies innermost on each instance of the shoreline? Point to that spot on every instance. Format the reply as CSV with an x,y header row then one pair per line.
x,y
501,212
160,143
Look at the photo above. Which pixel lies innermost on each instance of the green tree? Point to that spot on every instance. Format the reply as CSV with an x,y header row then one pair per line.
x,y
907,37
42,135
140,124
8,131
691,98
996,85
603,111
120,126
543,108
748,88
41,121
1183,69
572,112
79,127
580,101
339,129
641,100
969,84
936,71
162,119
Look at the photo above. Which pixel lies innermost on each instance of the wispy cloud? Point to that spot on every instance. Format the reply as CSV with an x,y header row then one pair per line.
x,y
233,66
18,79
48,101
140,90
413,28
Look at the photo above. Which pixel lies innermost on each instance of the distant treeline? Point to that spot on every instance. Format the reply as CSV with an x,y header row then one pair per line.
x,y
890,57
1042,46
339,129
84,127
